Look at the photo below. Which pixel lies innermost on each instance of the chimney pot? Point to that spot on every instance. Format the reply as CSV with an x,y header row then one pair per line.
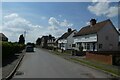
x,y
93,22
69,29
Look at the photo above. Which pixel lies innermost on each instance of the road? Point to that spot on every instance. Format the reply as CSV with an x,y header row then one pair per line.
x,y
42,64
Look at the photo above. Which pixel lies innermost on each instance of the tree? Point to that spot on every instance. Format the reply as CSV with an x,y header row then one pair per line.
x,y
38,41
21,39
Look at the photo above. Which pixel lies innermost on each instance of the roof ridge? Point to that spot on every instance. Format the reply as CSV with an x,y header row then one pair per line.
x,y
66,34
90,30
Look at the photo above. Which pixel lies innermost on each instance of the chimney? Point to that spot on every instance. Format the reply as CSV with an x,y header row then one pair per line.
x,y
93,22
69,29
50,36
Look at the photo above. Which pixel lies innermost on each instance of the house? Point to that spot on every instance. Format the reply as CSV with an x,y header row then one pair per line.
x,y
66,40
56,43
51,41
119,42
47,41
101,36
44,41
3,37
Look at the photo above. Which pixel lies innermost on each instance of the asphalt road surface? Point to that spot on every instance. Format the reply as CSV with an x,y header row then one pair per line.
x,y
42,64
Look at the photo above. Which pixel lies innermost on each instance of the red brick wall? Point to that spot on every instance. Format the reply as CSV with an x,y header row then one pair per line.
x,y
107,59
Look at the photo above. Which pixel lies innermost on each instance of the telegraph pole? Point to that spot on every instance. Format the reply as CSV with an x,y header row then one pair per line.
x,y
24,34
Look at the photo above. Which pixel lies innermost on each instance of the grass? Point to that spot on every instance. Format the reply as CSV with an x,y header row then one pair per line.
x,y
89,63
113,71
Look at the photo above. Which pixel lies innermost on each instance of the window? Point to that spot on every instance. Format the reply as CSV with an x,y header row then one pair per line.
x,y
86,37
100,46
85,45
118,43
73,45
88,46
63,45
79,44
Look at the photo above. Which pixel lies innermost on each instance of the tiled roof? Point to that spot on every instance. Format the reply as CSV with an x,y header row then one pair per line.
x,y
92,29
65,35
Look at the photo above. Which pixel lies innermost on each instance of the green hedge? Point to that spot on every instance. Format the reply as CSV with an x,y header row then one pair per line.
x,y
50,47
9,48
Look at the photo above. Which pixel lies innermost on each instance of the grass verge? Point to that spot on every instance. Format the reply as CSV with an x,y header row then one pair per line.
x,y
113,72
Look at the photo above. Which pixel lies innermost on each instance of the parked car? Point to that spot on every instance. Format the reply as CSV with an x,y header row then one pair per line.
x,y
29,48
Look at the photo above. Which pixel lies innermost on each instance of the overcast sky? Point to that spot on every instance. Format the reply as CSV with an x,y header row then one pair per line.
x,y
43,18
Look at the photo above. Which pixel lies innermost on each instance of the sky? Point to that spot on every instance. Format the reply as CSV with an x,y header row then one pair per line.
x,y
44,18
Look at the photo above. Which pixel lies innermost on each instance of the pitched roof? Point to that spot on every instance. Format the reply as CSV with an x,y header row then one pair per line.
x,y
47,37
2,35
92,29
65,35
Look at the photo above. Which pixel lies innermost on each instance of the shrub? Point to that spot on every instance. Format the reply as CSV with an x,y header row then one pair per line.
x,y
50,47
9,48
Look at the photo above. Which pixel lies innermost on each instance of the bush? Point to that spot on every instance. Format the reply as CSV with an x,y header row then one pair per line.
x,y
78,53
9,48
50,47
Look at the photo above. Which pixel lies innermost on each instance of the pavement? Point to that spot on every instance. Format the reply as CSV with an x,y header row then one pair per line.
x,y
0,73
42,64
10,64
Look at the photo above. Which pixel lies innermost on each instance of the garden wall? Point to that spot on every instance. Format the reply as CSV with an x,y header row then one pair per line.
x,y
104,58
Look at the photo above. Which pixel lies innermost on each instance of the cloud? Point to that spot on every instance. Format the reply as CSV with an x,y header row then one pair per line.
x,y
55,24
65,23
53,21
88,23
103,8
57,28
52,28
0,28
99,0
14,25
113,11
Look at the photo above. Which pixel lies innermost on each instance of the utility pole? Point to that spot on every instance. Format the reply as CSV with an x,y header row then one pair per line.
x,y
24,34
119,17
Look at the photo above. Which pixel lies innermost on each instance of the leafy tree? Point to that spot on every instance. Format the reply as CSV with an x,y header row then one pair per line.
x,y
21,39
38,41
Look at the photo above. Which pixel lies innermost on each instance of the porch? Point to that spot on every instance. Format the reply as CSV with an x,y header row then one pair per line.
x,y
62,46
87,46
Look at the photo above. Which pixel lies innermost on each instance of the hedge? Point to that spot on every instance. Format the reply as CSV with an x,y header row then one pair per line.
x,y
9,48
50,47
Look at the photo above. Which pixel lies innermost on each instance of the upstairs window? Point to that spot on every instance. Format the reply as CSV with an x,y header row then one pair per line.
x,y
86,37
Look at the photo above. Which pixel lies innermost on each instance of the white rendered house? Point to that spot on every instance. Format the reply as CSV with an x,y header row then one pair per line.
x,y
101,36
66,40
